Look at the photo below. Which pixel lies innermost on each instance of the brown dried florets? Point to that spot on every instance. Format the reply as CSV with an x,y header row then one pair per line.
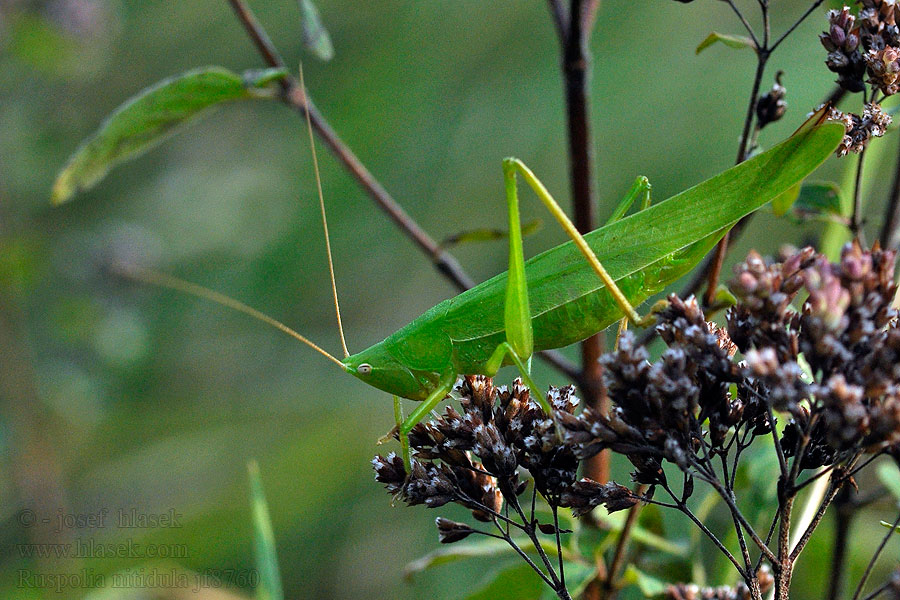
x,y
866,44
860,129
771,106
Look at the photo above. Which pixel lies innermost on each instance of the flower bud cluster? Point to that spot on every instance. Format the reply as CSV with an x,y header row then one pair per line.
x,y
866,44
846,396
860,129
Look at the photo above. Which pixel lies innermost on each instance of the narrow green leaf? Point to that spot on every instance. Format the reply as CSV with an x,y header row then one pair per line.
x,y
487,547
269,587
511,583
732,41
649,585
145,120
315,36
487,234
263,78
890,526
642,536
890,478
819,198
783,202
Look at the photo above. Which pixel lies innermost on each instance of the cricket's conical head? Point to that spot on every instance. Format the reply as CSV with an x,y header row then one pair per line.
x,y
377,367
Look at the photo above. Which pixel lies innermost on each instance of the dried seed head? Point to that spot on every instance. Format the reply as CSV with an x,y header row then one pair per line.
x,y
771,106
452,531
586,494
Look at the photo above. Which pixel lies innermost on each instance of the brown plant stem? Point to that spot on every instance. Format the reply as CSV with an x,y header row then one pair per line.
x,y
890,230
843,515
874,559
856,216
574,26
292,95
618,560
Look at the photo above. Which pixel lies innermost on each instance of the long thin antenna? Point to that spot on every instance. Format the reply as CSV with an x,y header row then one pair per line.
x,y
156,278
312,145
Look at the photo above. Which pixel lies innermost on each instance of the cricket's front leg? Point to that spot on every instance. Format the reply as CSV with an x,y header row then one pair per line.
x,y
404,426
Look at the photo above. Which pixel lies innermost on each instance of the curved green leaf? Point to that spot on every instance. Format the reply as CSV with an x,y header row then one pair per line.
x,y
147,118
732,41
269,587
783,202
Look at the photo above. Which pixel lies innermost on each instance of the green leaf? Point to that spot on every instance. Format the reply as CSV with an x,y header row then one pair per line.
x,y
146,119
487,547
649,585
486,234
890,478
783,202
263,78
269,587
642,536
819,198
511,583
732,41
891,526
315,36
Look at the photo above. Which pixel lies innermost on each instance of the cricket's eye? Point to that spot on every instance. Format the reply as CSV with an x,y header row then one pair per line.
x,y
364,369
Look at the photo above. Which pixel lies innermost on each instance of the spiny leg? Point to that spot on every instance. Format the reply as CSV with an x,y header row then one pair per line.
x,y
554,208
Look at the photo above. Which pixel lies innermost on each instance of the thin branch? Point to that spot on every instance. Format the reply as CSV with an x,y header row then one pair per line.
x,y
560,18
871,565
687,511
559,552
294,96
729,501
890,230
855,218
782,461
743,20
524,556
791,29
622,542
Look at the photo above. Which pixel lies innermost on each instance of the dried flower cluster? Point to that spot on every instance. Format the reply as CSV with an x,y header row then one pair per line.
x,y
872,123
831,367
771,106
867,44
505,430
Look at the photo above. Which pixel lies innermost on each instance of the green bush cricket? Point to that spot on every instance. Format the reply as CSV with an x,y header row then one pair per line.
x,y
564,294
559,297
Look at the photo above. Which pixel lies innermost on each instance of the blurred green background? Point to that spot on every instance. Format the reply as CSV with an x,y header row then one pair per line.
x,y
120,396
